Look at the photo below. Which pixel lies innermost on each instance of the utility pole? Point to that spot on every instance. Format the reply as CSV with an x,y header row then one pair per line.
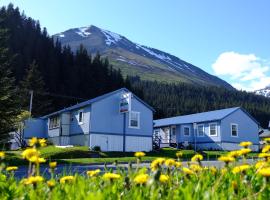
x,y
31,101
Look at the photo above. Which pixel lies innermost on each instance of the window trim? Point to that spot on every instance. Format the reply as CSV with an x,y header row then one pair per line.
x,y
236,130
198,130
80,122
188,131
210,129
129,120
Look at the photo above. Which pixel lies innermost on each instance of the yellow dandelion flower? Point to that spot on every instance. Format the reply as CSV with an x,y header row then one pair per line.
x,y
2,155
67,179
141,178
53,165
92,173
28,153
33,180
51,183
139,154
234,153
178,164
36,159
245,144
11,168
196,158
195,168
267,140
264,172
226,159
244,151
170,162
224,170
261,164
42,142
33,141
240,168
266,149
164,178
188,171
179,154
111,176
264,155
157,163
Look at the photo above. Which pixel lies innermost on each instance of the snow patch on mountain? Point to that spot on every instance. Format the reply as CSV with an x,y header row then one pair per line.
x,y
264,92
159,56
83,31
61,35
111,37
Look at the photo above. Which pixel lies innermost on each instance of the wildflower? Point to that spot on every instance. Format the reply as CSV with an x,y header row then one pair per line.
x,y
93,172
245,144
36,159
111,176
33,180
157,163
42,142
196,168
53,165
197,158
170,162
28,153
260,164
51,183
265,172
66,179
11,168
213,169
226,159
244,151
266,149
267,140
33,141
178,164
139,154
2,155
234,154
164,178
240,168
188,171
179,154
264,155
224,170
141,178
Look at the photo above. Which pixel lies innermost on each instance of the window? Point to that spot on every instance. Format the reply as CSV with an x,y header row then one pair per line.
x,y
54,122
200,130
80,117
186,131
234,130
134,119
213,129
173,131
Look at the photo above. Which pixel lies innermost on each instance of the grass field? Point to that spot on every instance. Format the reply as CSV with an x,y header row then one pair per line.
x,y
82,155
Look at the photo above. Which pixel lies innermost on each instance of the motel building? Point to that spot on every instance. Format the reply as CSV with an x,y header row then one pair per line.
x,y
116,121
215,130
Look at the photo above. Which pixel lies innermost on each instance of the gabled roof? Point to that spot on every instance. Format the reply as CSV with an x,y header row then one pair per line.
x,y
199,117
88,102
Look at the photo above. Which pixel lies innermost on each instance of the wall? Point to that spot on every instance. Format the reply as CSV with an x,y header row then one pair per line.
x,y
247,129
35,128
75,127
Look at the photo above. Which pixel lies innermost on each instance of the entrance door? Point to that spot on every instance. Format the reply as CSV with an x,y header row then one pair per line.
x,y
104,144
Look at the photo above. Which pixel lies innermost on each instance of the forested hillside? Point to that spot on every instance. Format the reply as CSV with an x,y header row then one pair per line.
x,y
60,78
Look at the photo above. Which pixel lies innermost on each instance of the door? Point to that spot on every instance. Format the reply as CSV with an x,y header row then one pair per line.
x,y
104,143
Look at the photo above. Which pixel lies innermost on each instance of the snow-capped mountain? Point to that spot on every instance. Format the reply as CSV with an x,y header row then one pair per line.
x,y
136,59
264,92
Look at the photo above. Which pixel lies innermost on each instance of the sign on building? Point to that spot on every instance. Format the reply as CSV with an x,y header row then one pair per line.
x,y
125,102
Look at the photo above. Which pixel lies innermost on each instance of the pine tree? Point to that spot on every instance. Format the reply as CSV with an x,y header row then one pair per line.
x,y
33,82
8,101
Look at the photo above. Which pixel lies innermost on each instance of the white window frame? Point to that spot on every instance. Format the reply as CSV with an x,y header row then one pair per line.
x,y
188,131
210,129
82,121
129,120
203,130
234,124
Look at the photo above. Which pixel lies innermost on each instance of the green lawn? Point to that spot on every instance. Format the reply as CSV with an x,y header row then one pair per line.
x,y
82,155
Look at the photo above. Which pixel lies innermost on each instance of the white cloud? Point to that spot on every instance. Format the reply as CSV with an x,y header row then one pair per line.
x,y
245,71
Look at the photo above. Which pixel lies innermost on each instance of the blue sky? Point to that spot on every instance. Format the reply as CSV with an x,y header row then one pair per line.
x,y
229,38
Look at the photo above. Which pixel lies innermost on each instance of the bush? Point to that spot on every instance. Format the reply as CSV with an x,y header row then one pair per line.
x,y
96,148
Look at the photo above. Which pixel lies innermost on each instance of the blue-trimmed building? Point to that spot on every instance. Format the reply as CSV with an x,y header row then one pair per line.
x,y
220,129
99,122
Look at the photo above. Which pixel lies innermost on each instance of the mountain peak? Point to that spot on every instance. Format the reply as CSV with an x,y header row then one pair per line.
x,y
135,59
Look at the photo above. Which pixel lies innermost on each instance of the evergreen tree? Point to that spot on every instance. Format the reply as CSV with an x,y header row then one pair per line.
x,y
33,82
8,101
